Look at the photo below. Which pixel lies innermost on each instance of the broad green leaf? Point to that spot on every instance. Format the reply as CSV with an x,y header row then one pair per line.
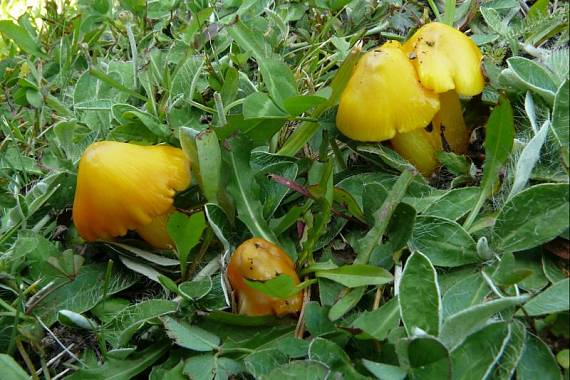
x,y
119,330
476,357
429,358
454,204
334,357
186,232
443,241
356,275
188,336
296,105
510,271
243,187
420,298
186,77
459,326
278,79
384,371
346,303
378,323
552,269
281,286
317,320
528,159
72,319
262,362
83,293
534,76
208,367
123,369
532,217
373,237
561,118
552,300
273,191
195,290
10,369
469,291
21,38
537,361
205,155
499,137
512,353
299,370
260,106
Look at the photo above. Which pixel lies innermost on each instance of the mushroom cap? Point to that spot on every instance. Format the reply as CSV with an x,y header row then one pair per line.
x,y
446,59
156,232
384,97
260,260
421,145
123,186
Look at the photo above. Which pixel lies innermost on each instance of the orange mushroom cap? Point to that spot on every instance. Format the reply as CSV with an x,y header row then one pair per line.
x,y
260,260
123,186
446,59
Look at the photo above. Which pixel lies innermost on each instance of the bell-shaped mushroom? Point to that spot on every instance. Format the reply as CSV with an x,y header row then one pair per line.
x,y
384,97
123,187
446,59
257,259
447,131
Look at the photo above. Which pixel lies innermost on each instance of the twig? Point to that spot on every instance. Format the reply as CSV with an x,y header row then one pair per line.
x,y
60,343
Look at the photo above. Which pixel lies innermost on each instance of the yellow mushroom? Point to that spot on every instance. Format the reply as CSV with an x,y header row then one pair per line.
x,y
123,187
260,260
446,59
384,97
409,94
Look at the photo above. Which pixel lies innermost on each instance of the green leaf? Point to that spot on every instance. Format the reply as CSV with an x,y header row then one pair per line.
x,y
205,155
476,357
21,38
537,361
299,370
428,358
561,118
208,367
528,159
186,232
296,105
260,106
420,298
384,371
281,287
195,290
119,330
334,357
188,336
512,352
443,241
83,293
356,275
346,303
499,139
532,217
278,79
10,369
467,292
72,319
534,76
552,300
317,320
378,323
123,369
459,326
373,237
454,204
262,362
185,79
243,187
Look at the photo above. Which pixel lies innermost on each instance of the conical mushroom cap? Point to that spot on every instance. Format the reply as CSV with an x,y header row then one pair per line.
x,y
446,59
384,97
124,186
